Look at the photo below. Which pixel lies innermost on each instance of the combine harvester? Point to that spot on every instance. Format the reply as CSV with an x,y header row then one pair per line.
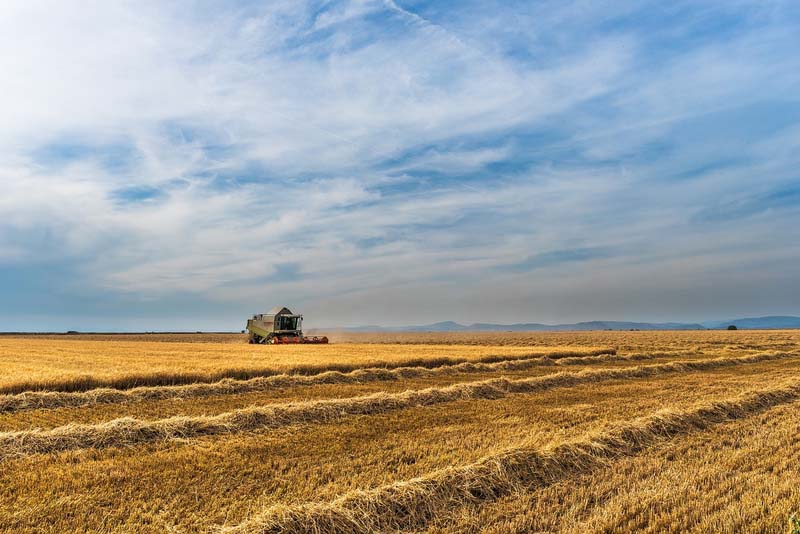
x,y
278,327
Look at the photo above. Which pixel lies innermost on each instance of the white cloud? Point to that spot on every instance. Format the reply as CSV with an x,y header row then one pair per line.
x,y
274,135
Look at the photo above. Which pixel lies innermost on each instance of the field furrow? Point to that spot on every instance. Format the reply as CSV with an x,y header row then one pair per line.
x,y
190,485
61,365
739,477
35,400
131,431
413,504
545,444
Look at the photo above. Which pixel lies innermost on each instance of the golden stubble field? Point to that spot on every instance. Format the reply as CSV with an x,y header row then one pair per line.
x,y
496,432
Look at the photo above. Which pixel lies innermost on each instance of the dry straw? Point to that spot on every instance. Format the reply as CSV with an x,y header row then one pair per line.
x,y
129,431
129,381
413,504
33,400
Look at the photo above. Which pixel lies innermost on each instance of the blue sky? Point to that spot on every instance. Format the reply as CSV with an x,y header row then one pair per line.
x,y
182,165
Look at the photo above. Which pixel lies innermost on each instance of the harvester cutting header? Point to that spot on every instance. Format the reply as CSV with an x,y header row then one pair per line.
x,y
279,326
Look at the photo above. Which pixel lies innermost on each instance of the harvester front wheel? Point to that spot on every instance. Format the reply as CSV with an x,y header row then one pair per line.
x,y
259,340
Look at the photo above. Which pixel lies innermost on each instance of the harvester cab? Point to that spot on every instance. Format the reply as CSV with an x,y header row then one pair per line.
x,y
279,326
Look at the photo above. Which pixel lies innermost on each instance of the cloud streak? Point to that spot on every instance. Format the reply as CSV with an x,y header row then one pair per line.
x,y
346,156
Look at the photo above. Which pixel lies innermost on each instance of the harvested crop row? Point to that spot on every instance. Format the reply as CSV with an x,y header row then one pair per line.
x,y
130,431
608,358
129,381
737,477
414,503
33,400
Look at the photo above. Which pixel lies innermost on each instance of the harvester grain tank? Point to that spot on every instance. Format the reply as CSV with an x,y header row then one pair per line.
x,y
279,326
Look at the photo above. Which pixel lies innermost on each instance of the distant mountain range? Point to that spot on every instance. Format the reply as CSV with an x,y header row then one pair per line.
x,y
771,322
756,323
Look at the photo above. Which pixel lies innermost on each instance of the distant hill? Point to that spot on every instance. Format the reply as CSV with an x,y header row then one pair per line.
x,y
753,323
756,323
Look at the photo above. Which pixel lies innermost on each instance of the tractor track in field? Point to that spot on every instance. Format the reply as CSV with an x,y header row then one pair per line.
x,y
130,431
35,400
412,504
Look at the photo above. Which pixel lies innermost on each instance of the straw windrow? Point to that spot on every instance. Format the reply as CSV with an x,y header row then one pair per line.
x,y
33,400
130,431
413,504
129,381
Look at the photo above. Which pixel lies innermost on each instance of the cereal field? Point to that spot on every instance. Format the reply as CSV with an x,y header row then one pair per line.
x,y
495,432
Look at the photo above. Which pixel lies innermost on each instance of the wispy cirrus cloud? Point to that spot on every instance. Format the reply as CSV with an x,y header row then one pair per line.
x,y
341,155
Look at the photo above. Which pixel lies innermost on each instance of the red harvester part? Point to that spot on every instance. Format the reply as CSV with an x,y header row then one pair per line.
x,y
285,340
315,339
